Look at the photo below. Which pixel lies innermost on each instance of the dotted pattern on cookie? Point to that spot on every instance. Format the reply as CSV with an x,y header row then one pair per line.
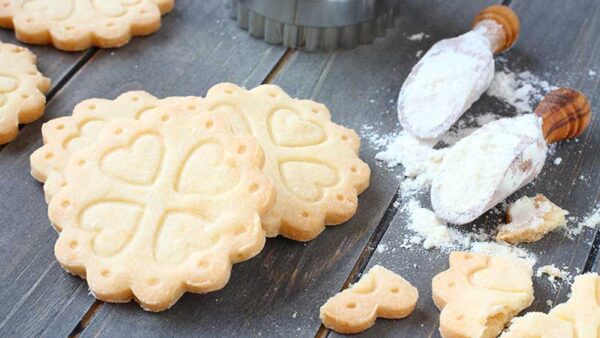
x,y
22,89
74,25
161,206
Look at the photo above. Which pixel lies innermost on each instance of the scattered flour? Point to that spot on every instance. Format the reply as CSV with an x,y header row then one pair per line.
x,y
592,220
557,161
554,274
591,73
418,36
552,271
419,159
432,230
419,53
522,90
381,248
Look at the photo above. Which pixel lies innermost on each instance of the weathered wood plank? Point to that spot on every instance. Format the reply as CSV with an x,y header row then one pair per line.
x,y
196,48
279,292
559,43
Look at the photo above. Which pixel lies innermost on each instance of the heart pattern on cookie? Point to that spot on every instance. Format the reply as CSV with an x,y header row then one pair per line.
x,y
87,132
113,223
180,234
146,199
206,159
285,125
53,9
113,8
313,161
306,180
145,150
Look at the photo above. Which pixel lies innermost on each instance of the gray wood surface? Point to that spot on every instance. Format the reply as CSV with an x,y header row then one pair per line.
x,y
38,297
558,43
279,292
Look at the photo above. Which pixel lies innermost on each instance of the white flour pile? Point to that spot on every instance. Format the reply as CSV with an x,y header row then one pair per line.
x,y
444,83
522,90
421,160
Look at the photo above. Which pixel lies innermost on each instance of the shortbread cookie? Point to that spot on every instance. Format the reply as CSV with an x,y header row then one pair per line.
x,y
578,317
539,325
22,89
313,161
582,310
479,294
379,293
160,206
74,25
530,219
65,135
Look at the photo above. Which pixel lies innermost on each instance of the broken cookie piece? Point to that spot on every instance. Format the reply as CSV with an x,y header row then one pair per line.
x,y
578,317
479,294
529,219
379,293
540,325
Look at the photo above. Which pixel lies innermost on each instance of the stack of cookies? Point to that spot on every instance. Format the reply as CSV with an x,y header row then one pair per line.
x,y
156,197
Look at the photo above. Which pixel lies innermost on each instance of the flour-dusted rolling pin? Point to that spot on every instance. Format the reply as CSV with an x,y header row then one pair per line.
x,y
454,73
487,166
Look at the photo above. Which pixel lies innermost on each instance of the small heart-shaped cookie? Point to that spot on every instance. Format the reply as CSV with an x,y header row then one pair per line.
x,y
379,293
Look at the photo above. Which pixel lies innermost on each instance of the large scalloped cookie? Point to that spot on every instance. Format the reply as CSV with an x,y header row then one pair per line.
x,y
161,206
313,162
74,25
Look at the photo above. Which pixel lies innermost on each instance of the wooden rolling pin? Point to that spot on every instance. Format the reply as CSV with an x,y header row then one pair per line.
x,y
487,166
454,73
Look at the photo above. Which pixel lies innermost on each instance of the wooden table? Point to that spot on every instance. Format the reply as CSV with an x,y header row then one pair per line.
x,y
278,293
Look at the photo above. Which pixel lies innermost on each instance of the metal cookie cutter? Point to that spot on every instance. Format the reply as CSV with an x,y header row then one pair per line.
x,y
315,24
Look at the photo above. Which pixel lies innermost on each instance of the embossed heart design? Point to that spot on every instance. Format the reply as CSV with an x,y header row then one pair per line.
x,y
180,234
288,129
138,164
204,172
8,84
88,132
114,222
53,9
306,180
113,8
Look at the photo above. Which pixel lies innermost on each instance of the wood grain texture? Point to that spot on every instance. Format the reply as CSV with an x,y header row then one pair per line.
x,y
279,292
196,48
559,44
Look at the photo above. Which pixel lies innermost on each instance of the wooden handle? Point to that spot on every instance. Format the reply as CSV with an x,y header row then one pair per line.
x,y
566,113
507,19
